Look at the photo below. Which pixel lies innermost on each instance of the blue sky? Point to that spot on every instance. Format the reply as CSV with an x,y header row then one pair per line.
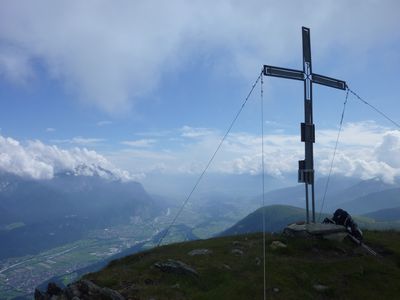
x,y
150,86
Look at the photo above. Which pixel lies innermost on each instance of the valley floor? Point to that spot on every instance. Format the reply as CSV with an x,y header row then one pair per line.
x,y
19,276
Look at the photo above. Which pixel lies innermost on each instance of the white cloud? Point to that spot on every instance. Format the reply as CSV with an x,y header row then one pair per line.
x,y
388,150
50,129
36,160
195,132
113,53
16,159
366,150
103,123
366,133
154,134
78,140
142,143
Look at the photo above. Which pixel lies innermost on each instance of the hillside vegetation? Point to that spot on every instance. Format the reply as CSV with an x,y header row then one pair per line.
x,y
232,268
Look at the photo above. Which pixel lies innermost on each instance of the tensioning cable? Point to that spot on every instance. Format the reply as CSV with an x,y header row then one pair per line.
x,y
334,154
340,129
209,163
263,185
374,108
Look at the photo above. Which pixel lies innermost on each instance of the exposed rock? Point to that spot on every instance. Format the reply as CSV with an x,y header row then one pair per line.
x,y
200,252
320,287
53,292
258,261
82,289
53,289
275,290
277,245
237,252
227,267
38,295
237,244
176,266
72,290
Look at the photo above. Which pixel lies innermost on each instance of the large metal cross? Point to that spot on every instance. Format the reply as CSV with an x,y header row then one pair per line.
x,y
306,166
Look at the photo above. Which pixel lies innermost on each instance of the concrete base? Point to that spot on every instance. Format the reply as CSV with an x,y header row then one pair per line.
x,y
327,231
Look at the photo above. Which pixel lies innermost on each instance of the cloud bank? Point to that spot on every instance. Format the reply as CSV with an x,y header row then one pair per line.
x,y
111,54
37,160
366,150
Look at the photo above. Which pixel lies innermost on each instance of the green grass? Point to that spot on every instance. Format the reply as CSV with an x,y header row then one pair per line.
x,y
344,268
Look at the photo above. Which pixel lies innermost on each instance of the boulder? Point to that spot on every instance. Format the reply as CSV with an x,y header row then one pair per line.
x,y
320,287
237,252
277,245
53,289
196,252
82,289
53,292
176,266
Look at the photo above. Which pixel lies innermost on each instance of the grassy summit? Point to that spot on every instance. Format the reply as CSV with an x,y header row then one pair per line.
x,y
233,269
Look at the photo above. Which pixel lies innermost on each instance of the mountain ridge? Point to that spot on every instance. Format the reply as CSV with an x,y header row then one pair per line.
x,y
60,210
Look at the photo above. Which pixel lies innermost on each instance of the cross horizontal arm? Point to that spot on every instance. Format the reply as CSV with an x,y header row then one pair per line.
x,y
283,73
328,81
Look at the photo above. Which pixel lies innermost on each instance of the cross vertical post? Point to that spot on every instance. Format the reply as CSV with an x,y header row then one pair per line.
x,y
308,128
306,166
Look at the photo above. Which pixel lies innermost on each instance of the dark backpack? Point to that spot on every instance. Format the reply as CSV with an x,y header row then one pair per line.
x,y
342,217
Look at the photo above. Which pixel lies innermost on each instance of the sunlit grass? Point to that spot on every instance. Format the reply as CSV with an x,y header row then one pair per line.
x,y
346,271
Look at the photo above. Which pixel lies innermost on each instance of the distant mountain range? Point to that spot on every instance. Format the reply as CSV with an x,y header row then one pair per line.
x,y
40,214
358,197
276,218
374,201
357,191
294,195
385,215
239,185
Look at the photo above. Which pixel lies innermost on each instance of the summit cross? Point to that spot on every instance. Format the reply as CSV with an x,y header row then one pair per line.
x,y
306,166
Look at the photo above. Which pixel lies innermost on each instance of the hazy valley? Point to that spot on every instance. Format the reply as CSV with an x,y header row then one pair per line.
x,y
74,224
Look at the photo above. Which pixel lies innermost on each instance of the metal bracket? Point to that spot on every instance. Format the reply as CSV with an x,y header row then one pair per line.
x,y
307,132
305,175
